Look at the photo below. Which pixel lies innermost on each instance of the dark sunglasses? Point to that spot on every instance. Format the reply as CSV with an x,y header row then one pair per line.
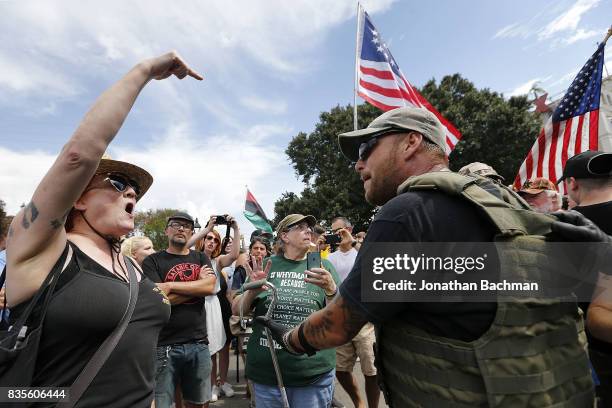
x,y
210,238
365,148
121,182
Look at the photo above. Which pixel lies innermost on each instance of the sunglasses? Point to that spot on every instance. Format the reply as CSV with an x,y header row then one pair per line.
x,y
211,238
365,148
121,182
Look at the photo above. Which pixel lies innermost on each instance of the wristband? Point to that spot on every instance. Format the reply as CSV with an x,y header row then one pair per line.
x,y
332,294
308,349
287,344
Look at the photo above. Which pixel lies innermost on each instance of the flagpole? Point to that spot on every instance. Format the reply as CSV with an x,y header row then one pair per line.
x,y
608,35
359,24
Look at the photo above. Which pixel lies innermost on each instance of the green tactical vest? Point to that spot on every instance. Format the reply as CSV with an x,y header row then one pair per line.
x,y
533,355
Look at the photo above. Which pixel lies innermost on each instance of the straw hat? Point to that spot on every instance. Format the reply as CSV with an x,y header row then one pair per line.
x,y
142,177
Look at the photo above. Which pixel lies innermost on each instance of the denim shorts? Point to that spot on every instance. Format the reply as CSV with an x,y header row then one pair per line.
x,y
187,365
318,394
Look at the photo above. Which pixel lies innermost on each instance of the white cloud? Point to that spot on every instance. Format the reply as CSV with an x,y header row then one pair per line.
x,y
569,20
204,175
259,104
581,34
565,22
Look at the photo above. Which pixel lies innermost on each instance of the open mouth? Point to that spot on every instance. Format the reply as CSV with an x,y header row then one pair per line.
x,y
129,208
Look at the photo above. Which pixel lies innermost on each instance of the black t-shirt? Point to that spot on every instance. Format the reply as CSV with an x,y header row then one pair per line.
x,y
188,320
85,308
601,215
427,216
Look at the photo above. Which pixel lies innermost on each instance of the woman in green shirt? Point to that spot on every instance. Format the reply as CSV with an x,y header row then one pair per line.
x,y
309,381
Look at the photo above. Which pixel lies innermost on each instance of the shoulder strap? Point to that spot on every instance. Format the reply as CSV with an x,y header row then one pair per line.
x,y
99,358
510,214
51,281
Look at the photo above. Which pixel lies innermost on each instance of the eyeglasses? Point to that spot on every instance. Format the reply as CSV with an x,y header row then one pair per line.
x,y
178,225
300,227
122,182
211,238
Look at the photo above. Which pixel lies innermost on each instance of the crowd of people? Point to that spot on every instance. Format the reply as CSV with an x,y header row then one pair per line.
x,y
70,241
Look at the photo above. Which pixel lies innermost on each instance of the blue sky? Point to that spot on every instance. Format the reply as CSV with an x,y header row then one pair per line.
x,y
270,68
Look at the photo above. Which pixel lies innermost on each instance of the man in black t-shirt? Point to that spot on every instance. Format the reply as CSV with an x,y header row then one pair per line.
x,y
588,177
186,277
437,353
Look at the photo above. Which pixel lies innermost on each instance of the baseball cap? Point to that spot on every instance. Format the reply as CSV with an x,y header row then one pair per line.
x,y
480,169
396,120
293,219
537,185
181,216
589,164
261,233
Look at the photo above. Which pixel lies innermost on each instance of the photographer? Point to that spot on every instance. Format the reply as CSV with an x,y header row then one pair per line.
x,y
218,308
362,345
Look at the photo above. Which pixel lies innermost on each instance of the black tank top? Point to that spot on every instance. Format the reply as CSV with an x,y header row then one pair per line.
x,y
88,303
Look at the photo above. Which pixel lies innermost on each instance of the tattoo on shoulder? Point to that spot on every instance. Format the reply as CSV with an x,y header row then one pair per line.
x,y
59,222
33,214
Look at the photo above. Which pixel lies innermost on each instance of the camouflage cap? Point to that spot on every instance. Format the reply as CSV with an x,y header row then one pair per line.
x,y
538,185
480,169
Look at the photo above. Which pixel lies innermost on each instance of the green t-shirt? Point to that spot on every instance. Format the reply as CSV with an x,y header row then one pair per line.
x,y
296,301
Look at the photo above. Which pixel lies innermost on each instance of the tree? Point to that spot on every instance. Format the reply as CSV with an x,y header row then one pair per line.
x,y
152,224
2,217
332,186
495,131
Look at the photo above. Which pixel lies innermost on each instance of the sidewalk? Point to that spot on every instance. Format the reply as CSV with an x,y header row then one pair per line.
x,y
239,400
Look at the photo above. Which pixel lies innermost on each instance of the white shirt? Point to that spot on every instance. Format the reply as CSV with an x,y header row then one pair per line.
x,y
343,261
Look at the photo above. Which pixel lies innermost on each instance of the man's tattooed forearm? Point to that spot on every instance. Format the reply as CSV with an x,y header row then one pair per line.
x,y
59,222
33,212
319,331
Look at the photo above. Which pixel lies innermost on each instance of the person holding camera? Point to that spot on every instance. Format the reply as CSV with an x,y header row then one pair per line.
x,y
362,345
218,307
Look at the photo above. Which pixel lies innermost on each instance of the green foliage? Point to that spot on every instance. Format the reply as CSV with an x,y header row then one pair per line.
x,y
152,224
332,186
3,228
495,131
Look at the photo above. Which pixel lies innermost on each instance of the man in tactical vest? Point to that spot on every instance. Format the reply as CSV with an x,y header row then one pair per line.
x,y
502,354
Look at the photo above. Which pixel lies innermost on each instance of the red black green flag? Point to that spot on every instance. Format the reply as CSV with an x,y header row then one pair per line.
x,y
254,213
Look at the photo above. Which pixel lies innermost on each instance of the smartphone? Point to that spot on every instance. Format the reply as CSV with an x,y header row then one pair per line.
x,y
313,260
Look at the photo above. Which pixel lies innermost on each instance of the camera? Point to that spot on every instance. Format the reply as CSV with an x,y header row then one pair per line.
x,y
332,239
221,220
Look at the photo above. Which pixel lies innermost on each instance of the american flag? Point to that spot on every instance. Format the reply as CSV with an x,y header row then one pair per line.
x,y
381,82
572,128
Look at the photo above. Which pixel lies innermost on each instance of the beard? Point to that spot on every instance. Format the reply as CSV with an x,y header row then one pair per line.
x,y
383,187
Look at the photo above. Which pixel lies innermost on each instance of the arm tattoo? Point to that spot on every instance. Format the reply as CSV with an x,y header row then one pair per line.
x,y
31,208
59,222
339,318
317,332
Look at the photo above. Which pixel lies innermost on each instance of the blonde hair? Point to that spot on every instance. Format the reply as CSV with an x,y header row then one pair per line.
x,y
130,245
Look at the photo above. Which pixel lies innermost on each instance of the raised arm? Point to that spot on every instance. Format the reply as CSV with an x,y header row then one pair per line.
x,y
202,233
227,259
36,236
